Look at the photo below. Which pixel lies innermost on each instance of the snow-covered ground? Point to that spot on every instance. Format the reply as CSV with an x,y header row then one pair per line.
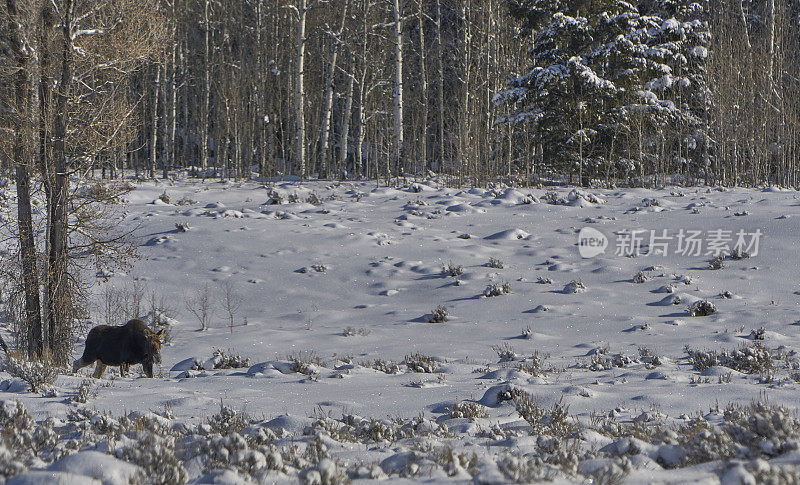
x,y
340,276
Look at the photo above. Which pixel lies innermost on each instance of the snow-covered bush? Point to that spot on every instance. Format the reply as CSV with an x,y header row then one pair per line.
x,y
387,367
352,332
702,308
452,269
221,359
326,472
155,454
38,375
497,289
534,365
552,422
649,357
226,421
552,197
758,334
469,410
754,359
505,352
495,263
717,262
83,392
275,198
602,361
574,286
186,200
313,199
738,254
439,314
417,362
640,277
759,429
306,364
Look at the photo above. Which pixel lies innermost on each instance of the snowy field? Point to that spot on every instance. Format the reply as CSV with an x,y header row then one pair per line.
x,y
348,378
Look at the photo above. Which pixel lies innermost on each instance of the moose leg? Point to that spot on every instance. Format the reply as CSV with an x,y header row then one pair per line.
x,y
98,371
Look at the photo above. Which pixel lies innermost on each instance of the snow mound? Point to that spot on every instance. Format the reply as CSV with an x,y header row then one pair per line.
x,y
107,468
676,299
514,197
581,198
508,235
49,478
464,209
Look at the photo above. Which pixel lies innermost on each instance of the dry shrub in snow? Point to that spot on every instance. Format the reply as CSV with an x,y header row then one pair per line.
x,y
313,199
439,314
38,375
352,332
186,200
702,308
640,277
758,334
738,254
468,409
495,263
155,454
496,289
505,352
221,359
83,392
717,262
305,363
754,359
387,367
534,365
574,286
451,269
759,429
326,472
275,198
603,361
417,362
552,422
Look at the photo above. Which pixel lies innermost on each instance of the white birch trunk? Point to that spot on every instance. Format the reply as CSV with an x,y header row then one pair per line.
x,y
398,154
300,94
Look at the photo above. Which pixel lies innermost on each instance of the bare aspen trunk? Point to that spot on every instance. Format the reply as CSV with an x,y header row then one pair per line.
x,y
398,154
300,94
440,80
169,152
424,80
206,104
328,109
154,122
347,115
56,287
21,153
45,96
358,154
185,151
